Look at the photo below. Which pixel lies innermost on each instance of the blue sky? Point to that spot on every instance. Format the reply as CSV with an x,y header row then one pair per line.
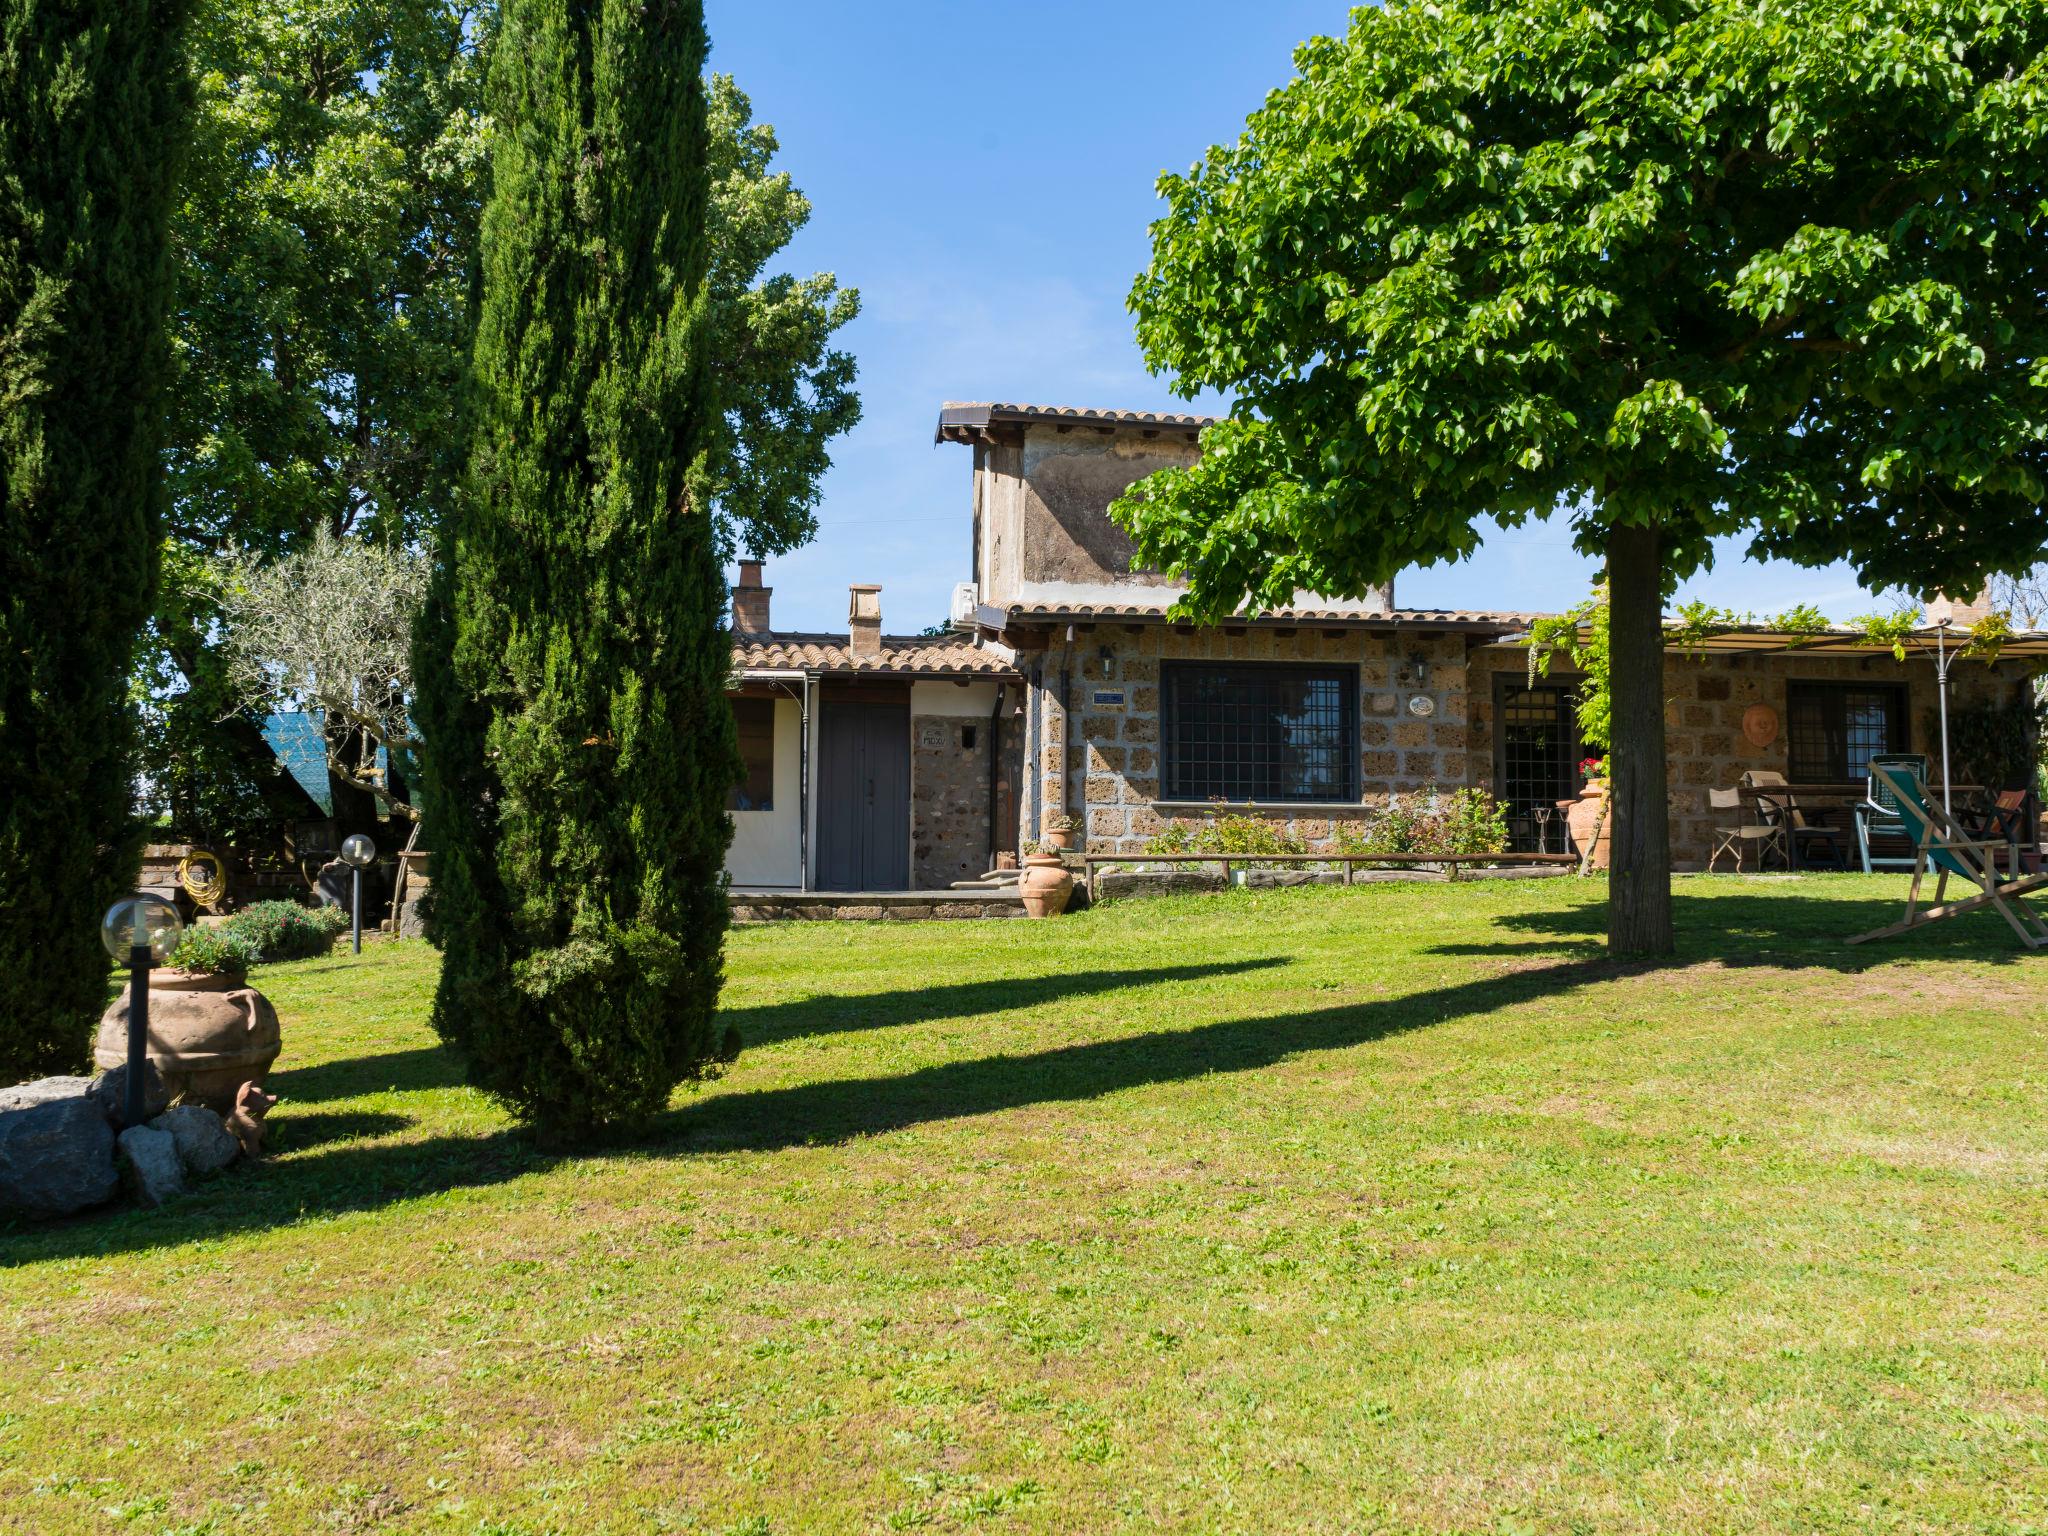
x,y
984,175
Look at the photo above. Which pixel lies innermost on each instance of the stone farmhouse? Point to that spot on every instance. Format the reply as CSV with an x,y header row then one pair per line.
x,y
890,763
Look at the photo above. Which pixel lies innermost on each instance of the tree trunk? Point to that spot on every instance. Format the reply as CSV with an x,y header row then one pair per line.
x,y
355,810
1639,885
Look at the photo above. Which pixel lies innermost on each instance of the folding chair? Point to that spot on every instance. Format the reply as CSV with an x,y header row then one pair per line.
x,y
1940,845
1877,816
1742,833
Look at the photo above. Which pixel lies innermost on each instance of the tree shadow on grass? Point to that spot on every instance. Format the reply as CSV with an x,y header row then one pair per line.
x,y
292,1133
829,1013
1778,924
418,1070
351,1178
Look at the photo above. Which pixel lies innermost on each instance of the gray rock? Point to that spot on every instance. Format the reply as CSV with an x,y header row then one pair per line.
x,y
110,1092
154,1172
56,1157
44,1090
205,1144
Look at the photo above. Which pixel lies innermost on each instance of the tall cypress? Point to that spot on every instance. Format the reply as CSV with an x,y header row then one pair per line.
x,y
93,116
573,656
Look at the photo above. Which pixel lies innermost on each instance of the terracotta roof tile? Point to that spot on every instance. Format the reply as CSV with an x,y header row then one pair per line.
x,y
1448,618
962,416
902,655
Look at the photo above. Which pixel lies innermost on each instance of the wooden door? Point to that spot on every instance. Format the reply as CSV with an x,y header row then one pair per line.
x,y
864,796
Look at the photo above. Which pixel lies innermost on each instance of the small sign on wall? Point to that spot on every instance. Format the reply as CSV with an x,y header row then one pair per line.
x,y
932,736
1106,698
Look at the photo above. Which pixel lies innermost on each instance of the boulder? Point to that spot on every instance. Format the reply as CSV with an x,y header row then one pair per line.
x,y
44,1090
110,1092
205,1144
56,1156
154,1172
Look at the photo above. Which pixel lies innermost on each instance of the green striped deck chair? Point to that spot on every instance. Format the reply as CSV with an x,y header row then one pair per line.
x,y
1940,845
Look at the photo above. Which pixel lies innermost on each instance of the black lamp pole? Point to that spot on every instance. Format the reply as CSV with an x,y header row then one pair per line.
x,y
139,961
356,907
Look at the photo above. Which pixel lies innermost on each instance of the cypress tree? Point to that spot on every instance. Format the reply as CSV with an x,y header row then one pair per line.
x,y
93,114
573,656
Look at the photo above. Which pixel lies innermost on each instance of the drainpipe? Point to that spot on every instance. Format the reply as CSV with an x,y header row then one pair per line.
x,y
803,787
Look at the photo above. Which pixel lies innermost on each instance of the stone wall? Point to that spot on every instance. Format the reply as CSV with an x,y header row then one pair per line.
x,y
948,800
1102,763
1705,698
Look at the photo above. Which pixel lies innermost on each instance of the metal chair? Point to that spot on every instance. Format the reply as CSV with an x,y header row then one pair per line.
x,y
1879,815
1782,810
1743,833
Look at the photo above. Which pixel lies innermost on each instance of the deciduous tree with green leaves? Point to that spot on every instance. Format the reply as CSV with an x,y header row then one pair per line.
x,y
1670,269
94,115
572,657
327,250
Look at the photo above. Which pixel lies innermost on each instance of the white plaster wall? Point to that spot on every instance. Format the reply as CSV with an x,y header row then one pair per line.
x,y
974,701
765,844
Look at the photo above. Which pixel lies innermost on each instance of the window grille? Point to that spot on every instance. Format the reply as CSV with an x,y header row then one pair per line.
x,y
1269,734
1834,729
1536,734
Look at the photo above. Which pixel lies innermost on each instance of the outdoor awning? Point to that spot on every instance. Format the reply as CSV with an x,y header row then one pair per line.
x,y
1759,640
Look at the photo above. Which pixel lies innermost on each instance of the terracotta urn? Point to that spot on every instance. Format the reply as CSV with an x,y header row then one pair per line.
x,y
208,1035
1059,837
1582,816
1046,885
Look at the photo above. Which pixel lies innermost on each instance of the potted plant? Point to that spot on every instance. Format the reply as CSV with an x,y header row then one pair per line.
x,y
1587,815
209,1030
1046,885
1059,830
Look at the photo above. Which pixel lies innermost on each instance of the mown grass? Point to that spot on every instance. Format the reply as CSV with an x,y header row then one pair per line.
x,y
1392,1209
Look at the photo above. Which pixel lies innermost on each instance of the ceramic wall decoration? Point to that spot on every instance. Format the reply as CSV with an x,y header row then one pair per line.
x,y
1760,725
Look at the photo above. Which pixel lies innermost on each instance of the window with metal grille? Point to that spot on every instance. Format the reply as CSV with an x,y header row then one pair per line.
x,y
1833,729
1259,733
1537,753
754,719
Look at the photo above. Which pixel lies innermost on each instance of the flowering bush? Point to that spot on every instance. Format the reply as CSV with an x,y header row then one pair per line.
x,y
1592,767
284,930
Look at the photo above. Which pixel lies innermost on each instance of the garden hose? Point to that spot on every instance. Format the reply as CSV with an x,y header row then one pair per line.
x,y
204,875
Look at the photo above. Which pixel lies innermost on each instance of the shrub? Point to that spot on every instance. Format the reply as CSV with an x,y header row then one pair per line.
x,y
1466,821
1226,834
284,930
216,951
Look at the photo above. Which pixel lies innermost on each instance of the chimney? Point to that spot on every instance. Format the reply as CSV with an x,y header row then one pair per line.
x,y
864,620
1962,615
750,601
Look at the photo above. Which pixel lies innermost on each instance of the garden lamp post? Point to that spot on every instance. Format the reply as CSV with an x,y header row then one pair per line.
x,y
1943,618
139,931
357,851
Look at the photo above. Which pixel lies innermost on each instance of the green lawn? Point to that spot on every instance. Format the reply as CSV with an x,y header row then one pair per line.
x,y
1387,1209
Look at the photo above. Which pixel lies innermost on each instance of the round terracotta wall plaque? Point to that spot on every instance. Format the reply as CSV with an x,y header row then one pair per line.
x,y
1760,725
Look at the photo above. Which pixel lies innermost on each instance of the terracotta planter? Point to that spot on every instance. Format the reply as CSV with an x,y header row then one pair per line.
x,y
1582,816
1046,885
208,1035
1059,837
